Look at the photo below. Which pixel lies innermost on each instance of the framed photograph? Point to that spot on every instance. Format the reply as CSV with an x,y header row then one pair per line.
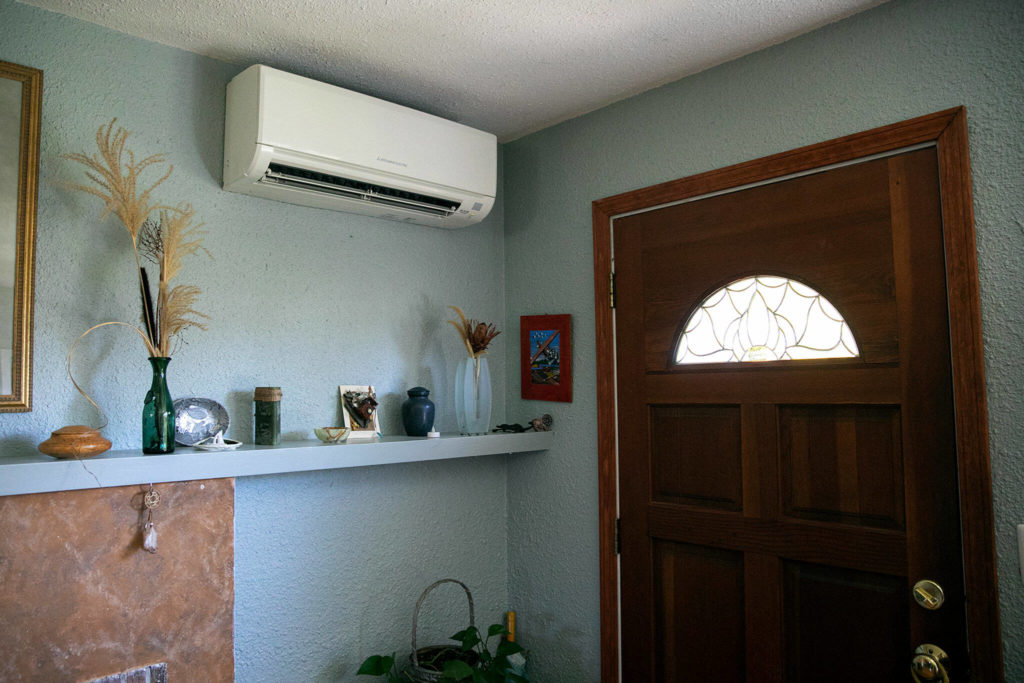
x,y
359,408
545,360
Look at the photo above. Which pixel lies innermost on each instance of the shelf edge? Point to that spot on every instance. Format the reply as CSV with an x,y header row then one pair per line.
x,y
42,474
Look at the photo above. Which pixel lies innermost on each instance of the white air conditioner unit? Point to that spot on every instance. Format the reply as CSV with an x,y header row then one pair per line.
x,y
300,141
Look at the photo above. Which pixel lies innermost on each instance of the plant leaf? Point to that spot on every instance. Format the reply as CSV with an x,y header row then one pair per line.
x,y
506,648
457,670
376,665
495,629
471,640
468,637
482,677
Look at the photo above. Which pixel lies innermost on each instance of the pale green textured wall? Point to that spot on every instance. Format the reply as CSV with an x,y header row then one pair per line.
x,y
328,565
890,63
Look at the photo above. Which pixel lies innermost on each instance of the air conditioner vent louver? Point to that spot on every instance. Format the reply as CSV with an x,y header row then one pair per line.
x,y
356,189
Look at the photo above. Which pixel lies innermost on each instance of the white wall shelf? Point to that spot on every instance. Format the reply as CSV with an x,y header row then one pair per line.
x,y
41,473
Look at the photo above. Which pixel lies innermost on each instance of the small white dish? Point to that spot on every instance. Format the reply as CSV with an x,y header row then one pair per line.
x,y
228,445
217,443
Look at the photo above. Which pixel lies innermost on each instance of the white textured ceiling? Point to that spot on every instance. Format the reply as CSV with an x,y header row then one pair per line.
x,y
505,66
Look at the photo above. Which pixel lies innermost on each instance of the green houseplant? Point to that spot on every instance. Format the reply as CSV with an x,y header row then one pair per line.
x,y
470,659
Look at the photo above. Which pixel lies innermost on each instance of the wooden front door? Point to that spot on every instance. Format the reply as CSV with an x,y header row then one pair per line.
x,y
776,514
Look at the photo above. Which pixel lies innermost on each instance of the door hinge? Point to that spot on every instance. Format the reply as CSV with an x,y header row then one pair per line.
x,y
611,289
618,536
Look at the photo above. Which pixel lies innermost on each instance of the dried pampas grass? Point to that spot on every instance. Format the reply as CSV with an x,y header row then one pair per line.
x,y
115,177
165,241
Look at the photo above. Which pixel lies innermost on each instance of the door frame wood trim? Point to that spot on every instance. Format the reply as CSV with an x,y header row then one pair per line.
x,y
948,130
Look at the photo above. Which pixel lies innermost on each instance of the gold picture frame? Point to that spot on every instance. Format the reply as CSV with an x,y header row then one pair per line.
x,y
21,96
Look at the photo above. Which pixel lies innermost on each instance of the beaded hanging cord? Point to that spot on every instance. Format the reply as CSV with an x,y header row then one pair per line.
x,y
151,501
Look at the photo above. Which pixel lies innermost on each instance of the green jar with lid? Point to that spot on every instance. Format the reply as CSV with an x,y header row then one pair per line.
x,y
267,418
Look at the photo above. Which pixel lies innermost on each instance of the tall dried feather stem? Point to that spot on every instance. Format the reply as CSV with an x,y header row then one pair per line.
x,y
166,244
115,176
82,336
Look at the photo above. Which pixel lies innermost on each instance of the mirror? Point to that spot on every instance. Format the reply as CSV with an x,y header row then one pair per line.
x,y
21,94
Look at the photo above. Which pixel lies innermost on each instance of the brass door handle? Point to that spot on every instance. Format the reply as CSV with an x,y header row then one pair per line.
x,y
929,664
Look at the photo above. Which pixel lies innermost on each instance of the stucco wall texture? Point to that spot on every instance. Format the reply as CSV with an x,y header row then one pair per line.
x,y
891,63
330,565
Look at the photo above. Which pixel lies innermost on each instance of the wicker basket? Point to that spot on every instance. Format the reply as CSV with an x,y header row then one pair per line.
x,y
416,670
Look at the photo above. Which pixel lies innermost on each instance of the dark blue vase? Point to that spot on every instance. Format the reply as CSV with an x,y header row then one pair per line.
x,y
417,412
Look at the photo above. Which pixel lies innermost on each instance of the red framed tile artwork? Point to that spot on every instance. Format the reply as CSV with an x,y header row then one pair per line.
x,y
545,357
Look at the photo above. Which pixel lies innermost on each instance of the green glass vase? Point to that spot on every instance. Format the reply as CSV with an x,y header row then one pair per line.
x,y
158,412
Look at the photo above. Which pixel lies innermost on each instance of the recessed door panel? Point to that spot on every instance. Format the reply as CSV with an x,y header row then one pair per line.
x,y
842,464
861,628
695,455
698,585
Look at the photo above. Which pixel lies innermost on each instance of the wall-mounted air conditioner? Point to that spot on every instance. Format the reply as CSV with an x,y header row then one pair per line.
x,y
301,141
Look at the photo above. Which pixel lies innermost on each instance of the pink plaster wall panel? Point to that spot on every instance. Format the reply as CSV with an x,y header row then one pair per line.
x,y
80,598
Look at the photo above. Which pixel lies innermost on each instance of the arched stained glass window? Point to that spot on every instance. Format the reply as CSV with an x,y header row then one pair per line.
x,y
764,318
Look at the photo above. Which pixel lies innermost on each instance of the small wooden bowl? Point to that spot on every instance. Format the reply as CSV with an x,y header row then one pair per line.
x,y
74,441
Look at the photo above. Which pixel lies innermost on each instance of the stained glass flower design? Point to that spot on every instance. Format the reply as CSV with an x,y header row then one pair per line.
x,y
765,318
